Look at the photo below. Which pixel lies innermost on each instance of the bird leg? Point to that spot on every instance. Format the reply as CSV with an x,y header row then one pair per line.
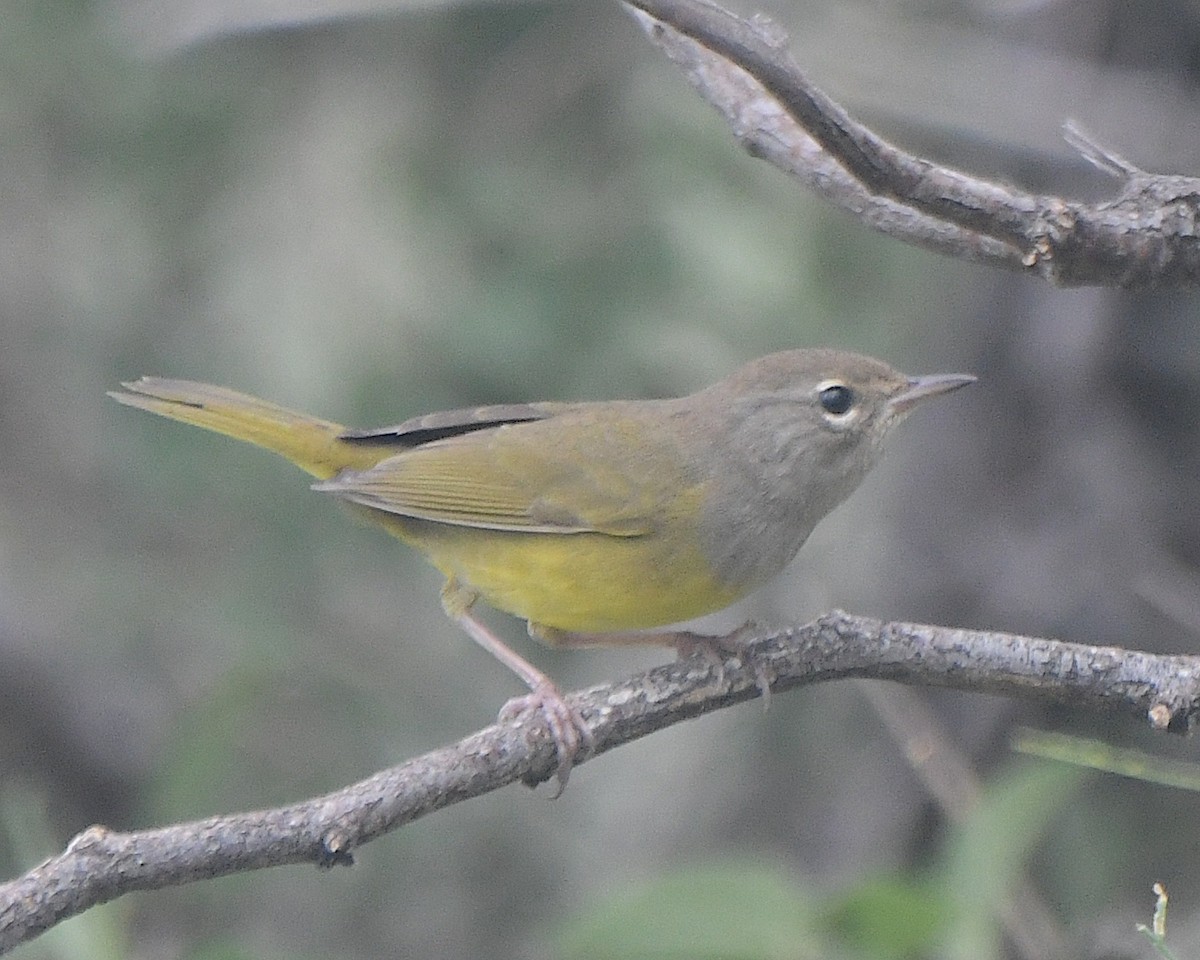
x,y
565,723
712,647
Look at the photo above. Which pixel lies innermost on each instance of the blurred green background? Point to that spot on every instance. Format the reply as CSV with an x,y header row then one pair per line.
x,y
373,211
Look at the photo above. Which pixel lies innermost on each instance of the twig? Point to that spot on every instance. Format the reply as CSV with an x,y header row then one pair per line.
x,y
1098,155
1147,235
101,864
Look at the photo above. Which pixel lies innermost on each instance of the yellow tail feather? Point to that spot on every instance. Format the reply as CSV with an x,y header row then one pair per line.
x,y
312,444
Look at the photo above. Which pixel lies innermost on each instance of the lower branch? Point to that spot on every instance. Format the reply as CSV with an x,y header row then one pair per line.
x,y
100,864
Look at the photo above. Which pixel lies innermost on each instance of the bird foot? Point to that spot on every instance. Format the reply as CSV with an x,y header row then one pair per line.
x,y
714,649
566,725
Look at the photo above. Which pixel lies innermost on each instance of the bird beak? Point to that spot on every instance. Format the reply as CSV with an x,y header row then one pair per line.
x,y
921,387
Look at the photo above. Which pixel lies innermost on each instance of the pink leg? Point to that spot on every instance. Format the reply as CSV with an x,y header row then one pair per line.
x,y
565,723
713,648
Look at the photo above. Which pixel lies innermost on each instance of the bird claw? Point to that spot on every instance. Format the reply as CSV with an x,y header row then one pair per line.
x,y
567,727
710,648
713,649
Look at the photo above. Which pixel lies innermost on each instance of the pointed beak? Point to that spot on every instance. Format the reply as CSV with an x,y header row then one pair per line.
x,y
921,387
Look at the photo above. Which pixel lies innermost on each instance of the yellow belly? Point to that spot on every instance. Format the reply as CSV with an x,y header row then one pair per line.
x,y
580,582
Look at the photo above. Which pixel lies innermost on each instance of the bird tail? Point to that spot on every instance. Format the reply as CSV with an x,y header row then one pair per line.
x,y
312,444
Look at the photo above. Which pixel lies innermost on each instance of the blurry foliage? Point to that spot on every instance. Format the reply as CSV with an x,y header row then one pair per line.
x,y
718,911
99,934
751,911
987,857
889,917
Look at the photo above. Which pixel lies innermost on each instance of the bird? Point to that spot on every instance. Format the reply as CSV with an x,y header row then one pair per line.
x,y
597,522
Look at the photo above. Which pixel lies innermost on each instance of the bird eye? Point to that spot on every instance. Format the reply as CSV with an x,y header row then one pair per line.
x,y
836,399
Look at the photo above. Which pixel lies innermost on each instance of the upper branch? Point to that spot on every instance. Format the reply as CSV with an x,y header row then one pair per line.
x,y
1147,235
102,864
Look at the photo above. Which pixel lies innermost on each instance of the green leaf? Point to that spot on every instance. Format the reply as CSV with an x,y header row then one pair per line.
x,y
986,855
891,918
723,911
1098,755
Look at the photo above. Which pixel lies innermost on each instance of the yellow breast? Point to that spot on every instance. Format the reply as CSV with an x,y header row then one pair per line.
x,y
580,582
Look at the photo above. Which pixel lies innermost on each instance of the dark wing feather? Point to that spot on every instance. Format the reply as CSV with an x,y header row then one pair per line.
x,y
451,423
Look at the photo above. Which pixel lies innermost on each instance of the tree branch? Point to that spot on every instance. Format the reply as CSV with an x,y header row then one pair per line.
x,y
1147,235
100,864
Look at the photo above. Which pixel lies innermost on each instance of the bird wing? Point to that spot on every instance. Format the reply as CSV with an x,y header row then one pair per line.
x,y
452,423
573,473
